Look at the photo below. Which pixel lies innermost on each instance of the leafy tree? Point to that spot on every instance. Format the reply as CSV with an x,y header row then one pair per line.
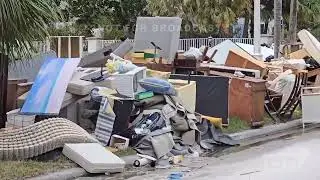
x,y
202,13
22,22
126,13
308,13
90,13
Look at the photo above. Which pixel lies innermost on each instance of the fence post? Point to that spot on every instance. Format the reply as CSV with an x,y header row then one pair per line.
x,y
59,47
69,47
81,46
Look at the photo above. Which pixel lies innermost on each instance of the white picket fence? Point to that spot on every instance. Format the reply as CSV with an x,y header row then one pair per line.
x,y
185,44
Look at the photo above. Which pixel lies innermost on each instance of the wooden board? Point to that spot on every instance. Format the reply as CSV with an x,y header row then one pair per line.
x,y
300,54
228,69
12,93
241,59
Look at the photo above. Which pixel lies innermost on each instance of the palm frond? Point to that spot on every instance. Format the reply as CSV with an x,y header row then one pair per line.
x,y
22,23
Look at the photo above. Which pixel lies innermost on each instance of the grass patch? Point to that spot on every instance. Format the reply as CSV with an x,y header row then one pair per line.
x,y
236,125
297,114
10,170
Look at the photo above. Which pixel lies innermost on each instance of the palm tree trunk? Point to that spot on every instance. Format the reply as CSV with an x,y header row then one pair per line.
x,y
277,26
293,21
3,90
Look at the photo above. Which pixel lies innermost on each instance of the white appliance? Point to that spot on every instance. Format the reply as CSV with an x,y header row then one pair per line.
x,y
310,98
127,84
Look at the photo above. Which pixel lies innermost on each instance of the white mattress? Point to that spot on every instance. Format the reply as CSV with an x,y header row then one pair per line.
x,y
310,43
94,158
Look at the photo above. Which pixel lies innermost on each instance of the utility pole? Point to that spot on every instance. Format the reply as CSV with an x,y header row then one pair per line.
x,y
257,29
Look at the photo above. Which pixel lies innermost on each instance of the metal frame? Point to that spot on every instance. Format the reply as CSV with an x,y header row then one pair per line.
x,y
286,111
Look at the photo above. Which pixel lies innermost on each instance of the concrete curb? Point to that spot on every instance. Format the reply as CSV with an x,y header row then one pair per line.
x,y
63,175
266,131
74,173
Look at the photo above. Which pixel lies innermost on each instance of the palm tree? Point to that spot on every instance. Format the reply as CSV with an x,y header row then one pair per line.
x,y
277,26
22,23
293,21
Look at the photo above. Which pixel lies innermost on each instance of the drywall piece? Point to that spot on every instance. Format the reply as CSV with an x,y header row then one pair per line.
x,y
163,31
310,100
310,43
265,52
94,158
48,90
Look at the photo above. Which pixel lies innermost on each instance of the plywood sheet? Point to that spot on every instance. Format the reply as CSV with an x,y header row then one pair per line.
x,y
300,54
241,59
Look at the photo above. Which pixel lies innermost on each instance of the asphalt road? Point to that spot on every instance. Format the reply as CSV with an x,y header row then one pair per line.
x,y
294,158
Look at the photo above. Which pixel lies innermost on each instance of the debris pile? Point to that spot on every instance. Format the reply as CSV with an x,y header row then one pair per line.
x,y
165,103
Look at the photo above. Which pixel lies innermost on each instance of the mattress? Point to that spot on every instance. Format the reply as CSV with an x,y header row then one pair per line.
x,y
310,43
94,158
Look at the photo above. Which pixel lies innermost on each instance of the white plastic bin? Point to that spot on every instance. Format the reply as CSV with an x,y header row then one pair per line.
x,y
310,105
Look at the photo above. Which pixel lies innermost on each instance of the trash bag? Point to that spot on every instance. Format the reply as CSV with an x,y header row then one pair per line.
x,y
269,58
313,63
212,138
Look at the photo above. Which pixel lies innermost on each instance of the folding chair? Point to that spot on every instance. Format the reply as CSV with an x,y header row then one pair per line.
x,y
284,113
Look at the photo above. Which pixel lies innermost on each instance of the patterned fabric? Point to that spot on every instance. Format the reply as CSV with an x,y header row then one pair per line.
x,y
105,121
